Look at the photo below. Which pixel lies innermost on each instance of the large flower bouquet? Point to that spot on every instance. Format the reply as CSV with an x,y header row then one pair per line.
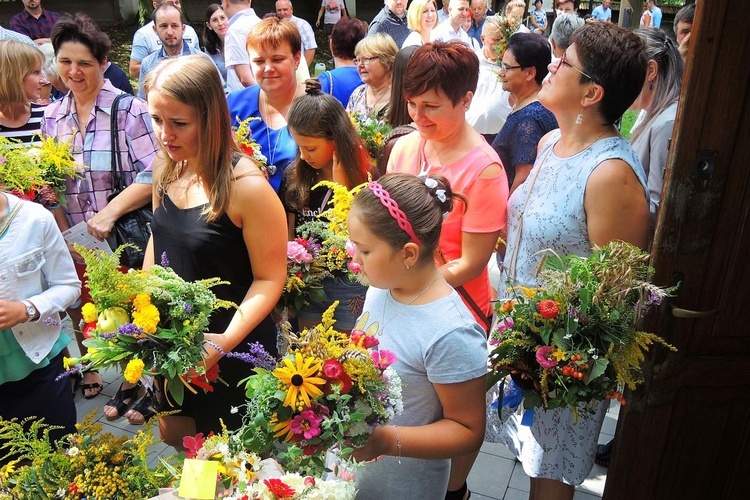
x,y
575,338
37,172
244,139
327,390
86,465
330,231
371,131
242,475
304,278
146,322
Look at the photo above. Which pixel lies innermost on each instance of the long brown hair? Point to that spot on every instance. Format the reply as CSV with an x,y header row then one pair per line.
x,y
317,114
194,81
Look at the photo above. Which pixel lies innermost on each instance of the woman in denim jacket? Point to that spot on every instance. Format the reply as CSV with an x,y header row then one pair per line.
x,y
37,282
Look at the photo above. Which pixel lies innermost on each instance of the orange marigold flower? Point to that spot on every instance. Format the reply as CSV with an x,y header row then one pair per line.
x,y
507,306
548,308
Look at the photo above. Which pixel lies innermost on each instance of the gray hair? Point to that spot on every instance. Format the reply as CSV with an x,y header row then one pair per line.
x,y
563,28
661,49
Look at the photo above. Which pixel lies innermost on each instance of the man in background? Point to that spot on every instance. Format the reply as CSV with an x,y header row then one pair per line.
x,y
242,19
169,26
602,12
458,13
480,11
655,13
683,25
391,21
145,40
285,10
34,21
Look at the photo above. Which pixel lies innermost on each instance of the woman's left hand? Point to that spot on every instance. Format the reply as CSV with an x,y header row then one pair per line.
x,y
12,313
376,445
212,354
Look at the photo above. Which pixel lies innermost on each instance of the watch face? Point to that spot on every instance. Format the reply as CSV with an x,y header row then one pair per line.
x,y
30,310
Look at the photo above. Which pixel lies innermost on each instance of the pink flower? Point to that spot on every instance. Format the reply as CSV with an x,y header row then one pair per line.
x,y
383,358
309,481
354,267
332,369
192,444
544,357
350,248
506,324
360,338
307,424
297,253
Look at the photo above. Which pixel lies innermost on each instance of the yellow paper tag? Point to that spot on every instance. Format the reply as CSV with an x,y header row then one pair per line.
x,y
199,479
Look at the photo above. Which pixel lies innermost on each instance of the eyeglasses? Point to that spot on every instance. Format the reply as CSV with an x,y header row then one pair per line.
x,y
364,60
505,67
564,60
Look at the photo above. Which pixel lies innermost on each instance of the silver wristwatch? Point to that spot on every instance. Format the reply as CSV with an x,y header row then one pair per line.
x,y
30,309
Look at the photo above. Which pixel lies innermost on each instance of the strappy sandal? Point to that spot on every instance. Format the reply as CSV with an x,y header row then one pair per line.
x,y
122,400
90,387
143,410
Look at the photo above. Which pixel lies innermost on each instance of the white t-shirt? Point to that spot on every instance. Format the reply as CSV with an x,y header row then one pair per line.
x,y
334,8
444,32
235,45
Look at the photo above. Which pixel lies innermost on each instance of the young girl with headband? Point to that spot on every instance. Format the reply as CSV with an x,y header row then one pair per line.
x,y
440,349
329,150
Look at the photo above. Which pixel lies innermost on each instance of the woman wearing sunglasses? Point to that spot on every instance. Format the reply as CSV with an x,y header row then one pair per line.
x,y
586,188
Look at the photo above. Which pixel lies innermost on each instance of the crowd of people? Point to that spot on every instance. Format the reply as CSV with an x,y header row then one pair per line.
x,y
494,137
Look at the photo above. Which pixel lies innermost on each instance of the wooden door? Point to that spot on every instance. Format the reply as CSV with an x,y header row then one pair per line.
x,y
686,433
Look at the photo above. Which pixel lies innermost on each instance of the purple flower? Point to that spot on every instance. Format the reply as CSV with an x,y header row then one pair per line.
x,y
164,260
50,321
256,356
654,298
188,307
129,329
506,324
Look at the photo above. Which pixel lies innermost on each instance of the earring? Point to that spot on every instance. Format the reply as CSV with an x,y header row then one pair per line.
x,y
579,117
651,85
408,267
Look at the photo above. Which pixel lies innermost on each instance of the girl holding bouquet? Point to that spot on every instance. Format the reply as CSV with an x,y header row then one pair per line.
x,y
440,349
329,150
215,215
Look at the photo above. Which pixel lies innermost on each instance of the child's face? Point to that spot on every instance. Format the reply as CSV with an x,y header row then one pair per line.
x,y
380,264
316,151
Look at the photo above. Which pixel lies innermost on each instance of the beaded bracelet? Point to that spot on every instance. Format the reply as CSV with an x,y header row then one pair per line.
x,y
398,443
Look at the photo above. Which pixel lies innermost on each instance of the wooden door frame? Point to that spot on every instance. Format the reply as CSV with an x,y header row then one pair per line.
x,y
702,208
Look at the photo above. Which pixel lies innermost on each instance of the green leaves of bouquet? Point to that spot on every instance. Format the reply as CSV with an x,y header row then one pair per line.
x,y
575,338
145,321
87,464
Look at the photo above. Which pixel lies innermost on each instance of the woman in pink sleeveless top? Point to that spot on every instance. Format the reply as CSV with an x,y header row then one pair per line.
x,y
439,84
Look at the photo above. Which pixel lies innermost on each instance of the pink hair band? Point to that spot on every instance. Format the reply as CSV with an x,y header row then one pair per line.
x,y
393,209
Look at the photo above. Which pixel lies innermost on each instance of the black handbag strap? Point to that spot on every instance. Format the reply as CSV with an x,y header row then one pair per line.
x,y
118,175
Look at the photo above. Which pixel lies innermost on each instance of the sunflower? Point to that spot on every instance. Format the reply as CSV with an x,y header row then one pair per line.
x,y
300,378
282,428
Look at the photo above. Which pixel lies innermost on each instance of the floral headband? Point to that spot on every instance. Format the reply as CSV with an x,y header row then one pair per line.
x,y
393,209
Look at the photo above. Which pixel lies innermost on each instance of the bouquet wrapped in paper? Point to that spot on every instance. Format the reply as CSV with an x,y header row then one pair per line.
x,y
37,172
575,338
242,474
147,322
330,388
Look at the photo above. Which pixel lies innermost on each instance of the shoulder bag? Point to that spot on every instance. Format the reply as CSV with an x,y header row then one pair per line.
x,y
133,227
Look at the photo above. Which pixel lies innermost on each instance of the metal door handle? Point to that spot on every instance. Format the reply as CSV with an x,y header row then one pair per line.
x,y
678,312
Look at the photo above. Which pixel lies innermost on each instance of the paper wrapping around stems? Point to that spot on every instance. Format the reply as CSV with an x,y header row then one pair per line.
x,y
269,468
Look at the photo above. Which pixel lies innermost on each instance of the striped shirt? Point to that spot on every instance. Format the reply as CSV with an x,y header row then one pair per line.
x,y
30,133
137,145
12,35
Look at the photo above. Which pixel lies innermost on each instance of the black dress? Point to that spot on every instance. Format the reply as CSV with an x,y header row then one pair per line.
x,y
196,250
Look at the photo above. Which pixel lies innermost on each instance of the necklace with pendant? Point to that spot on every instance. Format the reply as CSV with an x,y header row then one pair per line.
x,y
404,306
